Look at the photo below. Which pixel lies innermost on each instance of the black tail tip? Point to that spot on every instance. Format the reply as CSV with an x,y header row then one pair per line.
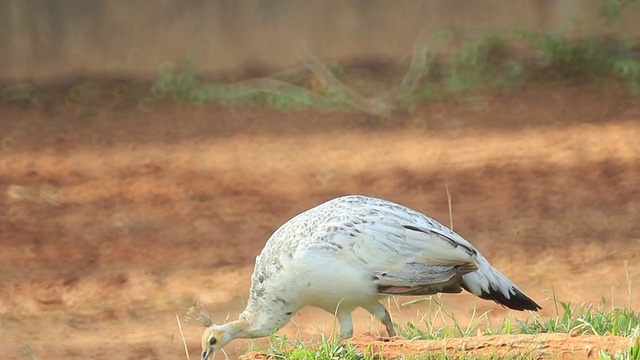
x,y
516,301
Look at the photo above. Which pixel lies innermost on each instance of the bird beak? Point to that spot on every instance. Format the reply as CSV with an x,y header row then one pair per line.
x,y
205,354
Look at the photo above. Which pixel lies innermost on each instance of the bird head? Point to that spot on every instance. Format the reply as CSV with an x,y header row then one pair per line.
x,y
215,336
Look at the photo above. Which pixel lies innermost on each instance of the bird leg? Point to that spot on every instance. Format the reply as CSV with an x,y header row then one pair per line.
x,y
346,326
379,311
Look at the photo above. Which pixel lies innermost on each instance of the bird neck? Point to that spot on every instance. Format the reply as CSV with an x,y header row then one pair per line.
x,y
240,328
247,328
256,322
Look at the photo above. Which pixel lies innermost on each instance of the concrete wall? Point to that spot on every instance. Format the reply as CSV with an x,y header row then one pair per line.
x,y
43,40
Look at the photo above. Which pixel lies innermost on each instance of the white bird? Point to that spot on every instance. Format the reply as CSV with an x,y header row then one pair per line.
x,y
347,253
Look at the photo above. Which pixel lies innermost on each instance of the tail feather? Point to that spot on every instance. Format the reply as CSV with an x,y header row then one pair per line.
x,y
516,301
490,284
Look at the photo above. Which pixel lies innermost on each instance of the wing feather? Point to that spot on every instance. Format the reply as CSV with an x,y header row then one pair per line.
x,y
403,254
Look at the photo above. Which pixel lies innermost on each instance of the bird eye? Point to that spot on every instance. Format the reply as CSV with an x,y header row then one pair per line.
x,y
213,341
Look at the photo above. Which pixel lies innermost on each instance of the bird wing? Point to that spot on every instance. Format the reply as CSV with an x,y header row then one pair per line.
x,y
403,254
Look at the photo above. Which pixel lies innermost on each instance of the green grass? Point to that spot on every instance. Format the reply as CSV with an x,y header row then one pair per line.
x,y
501,61
611,9
505,61
327,348
19,93
586,319
443,67
184,85
29,353
439,324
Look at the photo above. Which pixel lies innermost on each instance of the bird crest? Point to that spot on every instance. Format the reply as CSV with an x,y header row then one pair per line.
x,y
199,315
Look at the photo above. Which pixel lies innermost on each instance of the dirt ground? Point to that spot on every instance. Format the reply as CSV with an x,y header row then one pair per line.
x,y
557,346
115,218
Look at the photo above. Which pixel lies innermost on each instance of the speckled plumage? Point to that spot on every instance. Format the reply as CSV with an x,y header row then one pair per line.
x,y
349,251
